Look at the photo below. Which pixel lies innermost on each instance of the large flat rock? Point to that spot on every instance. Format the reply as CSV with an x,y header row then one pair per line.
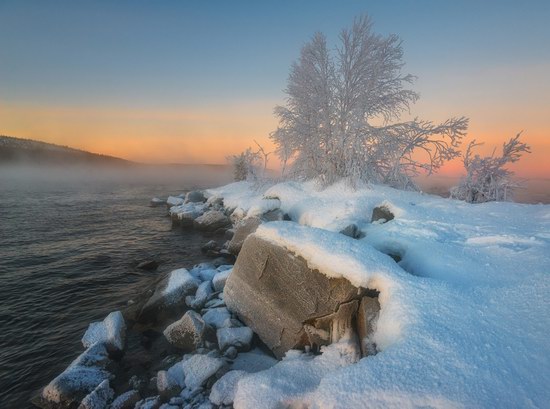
x,y
276,294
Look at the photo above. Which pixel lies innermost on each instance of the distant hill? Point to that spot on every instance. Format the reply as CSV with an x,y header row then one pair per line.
x,y
18,150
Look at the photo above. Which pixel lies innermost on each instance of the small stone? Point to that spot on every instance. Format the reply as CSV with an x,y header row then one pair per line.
x,y
239,337
189,332
195,196
199,368
381,214
148,265
167,387
211,245
127,400
220,278
216,317
351,231
231,353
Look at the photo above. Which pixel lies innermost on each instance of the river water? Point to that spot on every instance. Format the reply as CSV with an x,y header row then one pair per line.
x,y
69,246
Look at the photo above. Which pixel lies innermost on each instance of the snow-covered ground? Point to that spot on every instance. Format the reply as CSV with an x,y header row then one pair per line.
x,y
465,314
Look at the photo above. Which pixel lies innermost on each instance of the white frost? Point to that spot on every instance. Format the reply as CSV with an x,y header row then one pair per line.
x,y
111,331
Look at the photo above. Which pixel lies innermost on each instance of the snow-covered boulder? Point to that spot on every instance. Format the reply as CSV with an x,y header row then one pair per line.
x,y
223,391
169,296
199,369
242,230
195,196
239,337
111,332
99,398
80,378
292,295
189,332
211,221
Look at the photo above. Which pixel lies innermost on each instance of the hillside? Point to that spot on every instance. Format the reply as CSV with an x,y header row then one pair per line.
x,y
17,150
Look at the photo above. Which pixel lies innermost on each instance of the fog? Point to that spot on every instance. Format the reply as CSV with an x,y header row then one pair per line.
x,y
186,176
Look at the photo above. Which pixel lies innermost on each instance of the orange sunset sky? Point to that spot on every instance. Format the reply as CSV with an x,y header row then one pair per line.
x,y
194,86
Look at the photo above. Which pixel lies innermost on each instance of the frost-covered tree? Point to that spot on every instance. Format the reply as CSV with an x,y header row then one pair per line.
x,y
342,111
486,178
245,165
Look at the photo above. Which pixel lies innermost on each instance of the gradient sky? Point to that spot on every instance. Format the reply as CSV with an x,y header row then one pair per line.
x,y
184,81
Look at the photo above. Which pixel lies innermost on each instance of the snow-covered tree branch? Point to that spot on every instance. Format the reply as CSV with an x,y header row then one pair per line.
x,y
486,178
327,127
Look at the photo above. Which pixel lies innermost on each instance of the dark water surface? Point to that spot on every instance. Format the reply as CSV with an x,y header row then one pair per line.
x,y
68,252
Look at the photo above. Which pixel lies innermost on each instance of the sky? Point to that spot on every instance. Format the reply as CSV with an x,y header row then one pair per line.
x,y
195,81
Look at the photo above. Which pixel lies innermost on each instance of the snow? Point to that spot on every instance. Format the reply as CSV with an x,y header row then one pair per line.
x,y
111,331
223,391
464,315
187,211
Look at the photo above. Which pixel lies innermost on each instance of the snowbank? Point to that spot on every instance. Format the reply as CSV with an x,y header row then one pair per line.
x,y
464,313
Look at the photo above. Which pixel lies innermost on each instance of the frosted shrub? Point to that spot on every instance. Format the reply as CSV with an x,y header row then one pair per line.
x,y
342,111
486,178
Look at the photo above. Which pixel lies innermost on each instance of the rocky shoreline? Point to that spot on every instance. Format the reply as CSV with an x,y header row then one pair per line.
x,y
187,342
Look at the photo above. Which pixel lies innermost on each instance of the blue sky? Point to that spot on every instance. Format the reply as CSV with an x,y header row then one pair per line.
x,y
180,55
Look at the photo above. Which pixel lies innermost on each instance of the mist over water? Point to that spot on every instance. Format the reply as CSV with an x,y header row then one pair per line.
x,y
70,239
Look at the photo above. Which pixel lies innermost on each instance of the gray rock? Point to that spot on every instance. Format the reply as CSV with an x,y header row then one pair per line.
x,y
169,296
199,369
211,221
291,294
223,391
231,353
273,215
243,229
195,196
166,386
202,295
352,231
190,332
127,400
366,318
239,337
98,398
381,214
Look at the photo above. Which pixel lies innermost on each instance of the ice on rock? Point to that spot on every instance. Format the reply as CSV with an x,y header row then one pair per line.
x,y
111,332
218,281
176,373
216,317
99,398
239,337
199,368
80,378
223,391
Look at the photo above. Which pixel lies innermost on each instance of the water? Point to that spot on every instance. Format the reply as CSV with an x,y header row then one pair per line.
x,y
68,252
